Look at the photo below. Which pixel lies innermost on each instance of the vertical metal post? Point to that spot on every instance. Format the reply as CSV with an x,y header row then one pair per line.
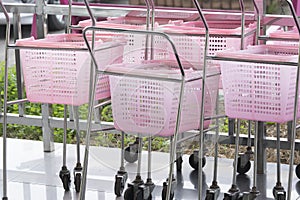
x,y
48,138
293,134
18,35
261,149
4,137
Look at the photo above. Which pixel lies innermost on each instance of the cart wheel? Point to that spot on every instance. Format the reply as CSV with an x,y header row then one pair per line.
x,y
179,164
77,182
131,156
119,186
297,170
194,161
280,197
209,197
164,193
128,195
66,180
243,169
140,195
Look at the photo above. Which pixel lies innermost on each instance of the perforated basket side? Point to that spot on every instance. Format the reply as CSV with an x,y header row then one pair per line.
x,y
256,91
52,76
62,76
150,106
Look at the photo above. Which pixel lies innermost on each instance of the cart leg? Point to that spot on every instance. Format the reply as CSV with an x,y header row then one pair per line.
x,y
132,188
178,160
145,190
214,190
254,192
234,192
121,176
64,173
170,184
77,172
278,190
92,90
4,170
244,164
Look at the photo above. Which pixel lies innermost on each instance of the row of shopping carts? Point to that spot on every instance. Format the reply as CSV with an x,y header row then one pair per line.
x,y
163,78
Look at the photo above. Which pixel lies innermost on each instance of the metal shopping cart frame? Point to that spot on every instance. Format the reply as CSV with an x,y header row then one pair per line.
x,y
279,190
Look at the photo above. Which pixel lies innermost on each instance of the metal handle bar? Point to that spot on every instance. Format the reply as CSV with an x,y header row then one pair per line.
x,y
5,12
90,12
293,134
256,7
196,3
290,3
141,32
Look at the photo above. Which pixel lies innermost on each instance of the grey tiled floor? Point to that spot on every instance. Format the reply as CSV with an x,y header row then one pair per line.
x,y
33,174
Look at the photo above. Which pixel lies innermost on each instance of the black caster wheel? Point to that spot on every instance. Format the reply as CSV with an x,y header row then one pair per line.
x,y
243,169
179,164
131,153
65,177
297,170
129,194
280,197
193,160
279,193
119,186
209,197
164,194
140,196
77,182
130,156
212,193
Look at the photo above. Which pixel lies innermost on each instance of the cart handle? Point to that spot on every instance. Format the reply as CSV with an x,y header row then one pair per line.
x,y
290,3
5,13
141,32
293,134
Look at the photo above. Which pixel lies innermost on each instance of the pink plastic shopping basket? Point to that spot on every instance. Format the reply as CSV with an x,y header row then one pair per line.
x,y
189,38
54,73
148,106
134,42
260,91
